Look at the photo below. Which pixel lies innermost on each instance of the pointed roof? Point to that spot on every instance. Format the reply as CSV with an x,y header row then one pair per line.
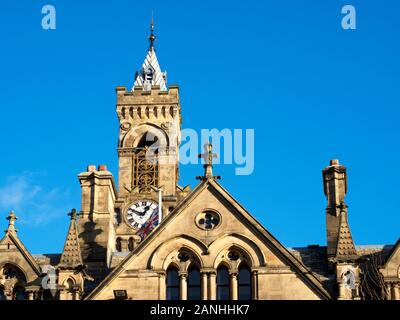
x,y
304,273
151,74
345,248
393,256
71,256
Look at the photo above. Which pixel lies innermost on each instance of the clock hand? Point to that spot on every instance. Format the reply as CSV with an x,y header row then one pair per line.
x,y
146,209
137,212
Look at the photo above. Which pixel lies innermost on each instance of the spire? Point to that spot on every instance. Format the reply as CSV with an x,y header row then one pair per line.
x,y
71,256
208,156
11,222
152,37
345,249
151,74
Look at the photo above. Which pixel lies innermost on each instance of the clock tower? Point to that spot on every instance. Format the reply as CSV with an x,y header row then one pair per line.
x,y
148,151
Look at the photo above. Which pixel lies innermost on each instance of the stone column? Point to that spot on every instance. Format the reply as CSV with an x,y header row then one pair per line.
x,y
183,286
212,286
162,287
62,295
342,291
124,245
254,280
396,291
204,286
357,294
77,295
234,286
30,295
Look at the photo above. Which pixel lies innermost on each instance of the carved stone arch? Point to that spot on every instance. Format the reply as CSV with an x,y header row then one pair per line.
x,y
167,252
69,280
20,269
173,264
222,263
260,254
135,135
221,247
232,257
182,258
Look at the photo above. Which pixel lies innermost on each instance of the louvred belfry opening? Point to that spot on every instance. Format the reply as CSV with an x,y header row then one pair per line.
x,y
145,171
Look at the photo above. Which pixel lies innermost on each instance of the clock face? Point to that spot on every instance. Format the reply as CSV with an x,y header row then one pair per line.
x,y
139,213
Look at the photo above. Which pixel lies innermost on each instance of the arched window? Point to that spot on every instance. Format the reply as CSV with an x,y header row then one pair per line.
x,y
172,282
118,245
223,283
244,283
194,284
69,286
130,244
13,273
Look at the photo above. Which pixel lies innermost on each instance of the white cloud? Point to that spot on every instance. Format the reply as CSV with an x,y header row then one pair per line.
x,y
33,203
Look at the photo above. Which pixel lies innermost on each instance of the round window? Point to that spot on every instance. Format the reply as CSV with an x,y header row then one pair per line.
x,y
208,220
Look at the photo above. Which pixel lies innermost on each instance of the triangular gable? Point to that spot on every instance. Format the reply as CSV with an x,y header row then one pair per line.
x,y
391,268
306,275
13,238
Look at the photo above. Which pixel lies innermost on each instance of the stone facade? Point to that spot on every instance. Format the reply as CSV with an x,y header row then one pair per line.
x,y
149,238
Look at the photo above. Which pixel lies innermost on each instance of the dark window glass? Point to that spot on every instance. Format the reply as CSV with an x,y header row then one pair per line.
x,y
194,286
118,244
147,140
244,283
172,284
19,294
130,244
222,283
46,295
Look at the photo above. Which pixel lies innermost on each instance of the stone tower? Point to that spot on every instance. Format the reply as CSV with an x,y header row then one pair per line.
x,y
148,151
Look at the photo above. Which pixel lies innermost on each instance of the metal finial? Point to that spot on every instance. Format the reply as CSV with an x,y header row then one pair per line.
x,y
72,214
152,37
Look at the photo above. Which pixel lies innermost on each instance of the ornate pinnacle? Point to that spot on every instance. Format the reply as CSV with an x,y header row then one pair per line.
x,y
11,222
208,156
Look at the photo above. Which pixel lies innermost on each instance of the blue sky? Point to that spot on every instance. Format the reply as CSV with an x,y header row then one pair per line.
x,y
310,90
